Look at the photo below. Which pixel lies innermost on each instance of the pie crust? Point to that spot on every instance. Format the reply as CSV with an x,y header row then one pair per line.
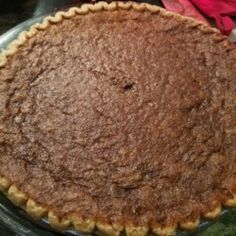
x,y
73,220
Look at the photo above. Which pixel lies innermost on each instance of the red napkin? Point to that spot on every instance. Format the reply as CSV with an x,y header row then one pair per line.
x,y
220,10
184,7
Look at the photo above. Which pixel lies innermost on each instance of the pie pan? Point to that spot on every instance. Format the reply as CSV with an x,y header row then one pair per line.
x,y
6,216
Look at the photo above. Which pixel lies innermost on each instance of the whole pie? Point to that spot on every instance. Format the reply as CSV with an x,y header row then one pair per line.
x,y
119,117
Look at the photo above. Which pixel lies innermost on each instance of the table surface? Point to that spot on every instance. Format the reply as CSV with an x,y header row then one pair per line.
x,y
13,12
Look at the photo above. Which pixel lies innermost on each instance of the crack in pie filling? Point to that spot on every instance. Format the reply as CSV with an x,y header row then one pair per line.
x,y
119,116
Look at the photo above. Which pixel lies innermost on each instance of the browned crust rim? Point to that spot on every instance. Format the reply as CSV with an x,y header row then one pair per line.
x,y
88,225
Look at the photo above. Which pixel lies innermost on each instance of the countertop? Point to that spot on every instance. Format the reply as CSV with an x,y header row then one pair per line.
x,y
12,12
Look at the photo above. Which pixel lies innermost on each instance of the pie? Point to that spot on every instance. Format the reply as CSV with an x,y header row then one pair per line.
x,y
119,117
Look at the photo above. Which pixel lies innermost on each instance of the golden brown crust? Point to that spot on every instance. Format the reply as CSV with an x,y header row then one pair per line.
x,y
55,222
16,196
231,202
35,210
4,184
82,225
190,224
214,213
159,230
108,229
136,231
88,225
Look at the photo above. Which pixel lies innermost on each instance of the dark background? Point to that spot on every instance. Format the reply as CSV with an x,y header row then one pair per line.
x,y
13,12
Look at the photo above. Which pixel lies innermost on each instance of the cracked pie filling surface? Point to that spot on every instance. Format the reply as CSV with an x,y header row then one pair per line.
x,y
119,116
